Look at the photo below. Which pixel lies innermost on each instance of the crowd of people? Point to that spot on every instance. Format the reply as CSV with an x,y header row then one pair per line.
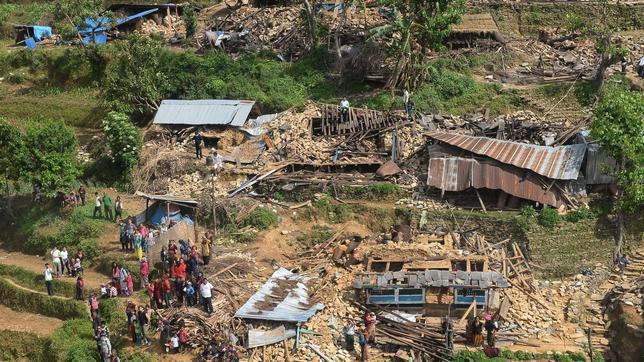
x,y
63,265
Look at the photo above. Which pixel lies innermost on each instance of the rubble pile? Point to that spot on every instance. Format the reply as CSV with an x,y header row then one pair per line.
x,y
278,29
171,28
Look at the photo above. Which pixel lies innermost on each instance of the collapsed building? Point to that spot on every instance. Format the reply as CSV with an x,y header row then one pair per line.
x,y
549,175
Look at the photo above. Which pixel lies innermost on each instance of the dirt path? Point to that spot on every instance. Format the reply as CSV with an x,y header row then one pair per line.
x,y
13,283
28,322
35,264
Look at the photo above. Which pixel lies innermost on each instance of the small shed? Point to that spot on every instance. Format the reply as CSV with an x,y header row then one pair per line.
x,y
174,217
30,35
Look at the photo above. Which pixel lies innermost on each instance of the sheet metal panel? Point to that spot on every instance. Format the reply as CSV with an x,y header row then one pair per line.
x,y
293,307
598,166
458,174
560,163
204,112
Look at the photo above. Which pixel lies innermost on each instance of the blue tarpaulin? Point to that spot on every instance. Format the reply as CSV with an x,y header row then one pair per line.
x,y
41,32
95,28
30,43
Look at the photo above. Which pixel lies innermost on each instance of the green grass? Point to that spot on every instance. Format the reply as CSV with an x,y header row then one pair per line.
x,y
76,107
74,341
24,346
25,301
36,281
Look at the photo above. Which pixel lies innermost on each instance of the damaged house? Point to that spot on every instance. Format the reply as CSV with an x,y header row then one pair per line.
x,y
432,285
225,125
545,174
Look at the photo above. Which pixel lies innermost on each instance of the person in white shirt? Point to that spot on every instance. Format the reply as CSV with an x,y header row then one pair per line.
x,y
64,259
55,257
174,342
406,97
97,206
48,280
205,290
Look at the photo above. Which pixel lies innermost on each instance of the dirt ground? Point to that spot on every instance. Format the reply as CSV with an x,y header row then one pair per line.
x,y
28,322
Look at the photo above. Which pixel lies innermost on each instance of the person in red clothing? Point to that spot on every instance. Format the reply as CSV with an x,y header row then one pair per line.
x,y
183,338
172,251
167,289
144,269
150,291
158,293
181,270
116,274
370,326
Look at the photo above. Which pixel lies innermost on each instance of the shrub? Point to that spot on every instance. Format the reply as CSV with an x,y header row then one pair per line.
x,y
246,237
74,341
30,348
261,218
124,140
317,235
578,215
334,213
549,217
377,191
528,211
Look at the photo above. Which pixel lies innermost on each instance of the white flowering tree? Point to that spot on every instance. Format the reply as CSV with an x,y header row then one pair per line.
x,y
124,140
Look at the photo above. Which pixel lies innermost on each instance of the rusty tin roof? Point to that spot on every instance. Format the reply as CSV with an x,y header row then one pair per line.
x,y
561,163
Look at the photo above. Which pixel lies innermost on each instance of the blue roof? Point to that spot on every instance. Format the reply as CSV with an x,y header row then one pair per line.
x,y
103,24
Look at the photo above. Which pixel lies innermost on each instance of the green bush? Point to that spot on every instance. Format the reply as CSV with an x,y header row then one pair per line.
x,y
23,300
578,215
317,235
528,211
246,237
24,346
334,213
261,218
377,191
74,341
549,217
124,139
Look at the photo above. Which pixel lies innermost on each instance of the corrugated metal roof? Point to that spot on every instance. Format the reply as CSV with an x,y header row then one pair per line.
x,y
458,174
561,163
204,112
284,297
168,197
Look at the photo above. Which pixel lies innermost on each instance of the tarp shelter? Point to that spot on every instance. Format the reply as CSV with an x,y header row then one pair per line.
x,y
30,35
284,298
203,112
180,210
95,29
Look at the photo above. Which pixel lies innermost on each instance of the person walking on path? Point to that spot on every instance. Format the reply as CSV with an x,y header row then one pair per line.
x,y
205,251
205,289
107,205
80,287
198,139
144,269
97,206
491,326
55,258
118,208
48,280
82,193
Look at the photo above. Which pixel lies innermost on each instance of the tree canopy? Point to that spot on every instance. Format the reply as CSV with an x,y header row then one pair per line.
x,y
420,26
134,82
619,128
69,14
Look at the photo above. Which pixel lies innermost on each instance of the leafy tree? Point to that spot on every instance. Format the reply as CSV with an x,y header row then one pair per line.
x,y
70,14
12,153
124,140
134,82
619,128
190,18
419,27
51,154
